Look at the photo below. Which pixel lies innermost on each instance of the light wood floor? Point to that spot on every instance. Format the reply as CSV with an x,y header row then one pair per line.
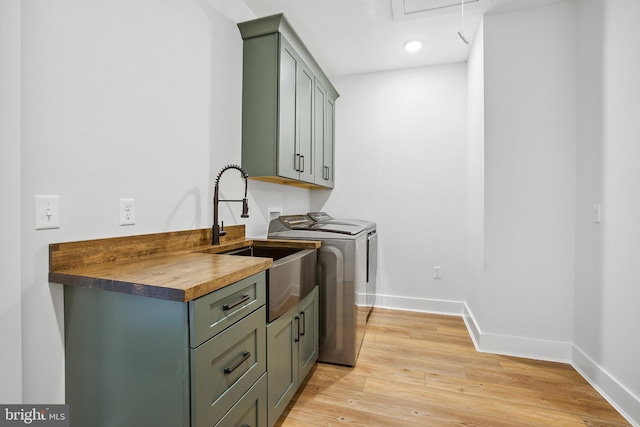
x,y
422,370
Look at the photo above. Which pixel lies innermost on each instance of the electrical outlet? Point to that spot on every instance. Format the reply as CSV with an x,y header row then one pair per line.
x,y
127,211
47,212
436,272
274,213
596,214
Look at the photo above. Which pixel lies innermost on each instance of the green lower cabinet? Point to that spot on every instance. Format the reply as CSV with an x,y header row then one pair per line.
x,y
138,361
292,349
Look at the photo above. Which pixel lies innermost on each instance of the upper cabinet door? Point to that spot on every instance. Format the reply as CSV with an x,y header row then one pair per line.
x,y
324,115
329,144
295,155
305,123
287,123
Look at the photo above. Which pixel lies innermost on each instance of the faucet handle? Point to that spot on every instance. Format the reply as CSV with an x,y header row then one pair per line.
x,y
222,232
245,208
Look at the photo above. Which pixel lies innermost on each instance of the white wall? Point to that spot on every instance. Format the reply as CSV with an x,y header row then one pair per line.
x,y
525,305
124,98
142,99
401,162
606,347
10,307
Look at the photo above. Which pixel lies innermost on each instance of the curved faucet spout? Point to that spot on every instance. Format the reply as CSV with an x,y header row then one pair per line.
x,y
218,231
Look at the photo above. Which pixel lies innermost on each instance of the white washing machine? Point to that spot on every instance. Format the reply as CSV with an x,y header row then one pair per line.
x,y
341,273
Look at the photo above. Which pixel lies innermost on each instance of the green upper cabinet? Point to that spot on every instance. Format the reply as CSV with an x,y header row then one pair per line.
x,y
287,108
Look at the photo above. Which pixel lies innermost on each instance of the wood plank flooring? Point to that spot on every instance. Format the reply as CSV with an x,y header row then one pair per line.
x,y
418,369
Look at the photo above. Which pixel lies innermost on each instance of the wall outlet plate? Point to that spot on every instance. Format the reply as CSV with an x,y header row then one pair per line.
x,y
47,212
596,214
274,213
127,211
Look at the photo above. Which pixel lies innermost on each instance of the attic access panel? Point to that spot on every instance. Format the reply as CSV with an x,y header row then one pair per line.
x,y
404,10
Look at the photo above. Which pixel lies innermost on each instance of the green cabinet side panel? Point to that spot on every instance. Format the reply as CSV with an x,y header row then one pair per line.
x,y
260,105
126,359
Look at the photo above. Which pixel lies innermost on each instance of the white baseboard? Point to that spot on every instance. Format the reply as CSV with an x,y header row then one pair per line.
x,y
530,348
612,390
609,387
424,305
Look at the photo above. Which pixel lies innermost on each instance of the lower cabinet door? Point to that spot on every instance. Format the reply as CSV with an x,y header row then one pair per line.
x,y
225,367
251,410
282,362
309,339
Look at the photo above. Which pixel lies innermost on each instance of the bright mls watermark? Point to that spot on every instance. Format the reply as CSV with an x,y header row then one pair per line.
x,y
35,415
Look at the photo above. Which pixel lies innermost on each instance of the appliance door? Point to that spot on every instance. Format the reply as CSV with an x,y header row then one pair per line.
x,y
372,269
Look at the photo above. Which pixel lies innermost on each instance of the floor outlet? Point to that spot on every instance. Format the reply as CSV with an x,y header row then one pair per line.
x,y
47,212
436,272
127,211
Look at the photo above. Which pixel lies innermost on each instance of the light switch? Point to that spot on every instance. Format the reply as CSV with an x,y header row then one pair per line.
x,y
47,212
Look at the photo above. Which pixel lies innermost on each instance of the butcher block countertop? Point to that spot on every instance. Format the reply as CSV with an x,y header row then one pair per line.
x,y
177,266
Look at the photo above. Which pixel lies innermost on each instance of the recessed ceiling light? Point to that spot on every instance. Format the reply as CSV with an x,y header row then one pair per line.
x,y
413,45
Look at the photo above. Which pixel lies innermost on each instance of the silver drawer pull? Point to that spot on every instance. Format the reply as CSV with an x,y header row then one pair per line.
x,y
245,356
244,298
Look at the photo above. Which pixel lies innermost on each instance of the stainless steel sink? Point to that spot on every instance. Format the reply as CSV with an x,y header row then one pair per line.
x,y
290,279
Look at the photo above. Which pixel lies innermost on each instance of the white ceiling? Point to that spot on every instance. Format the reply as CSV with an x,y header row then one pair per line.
x,y
359,36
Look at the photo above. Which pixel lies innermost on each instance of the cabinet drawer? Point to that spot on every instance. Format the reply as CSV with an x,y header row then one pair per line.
x,y
213,313
251,410
225,367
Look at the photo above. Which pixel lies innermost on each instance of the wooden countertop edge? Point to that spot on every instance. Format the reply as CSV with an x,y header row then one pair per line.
x,y
162,292
143,290
71,276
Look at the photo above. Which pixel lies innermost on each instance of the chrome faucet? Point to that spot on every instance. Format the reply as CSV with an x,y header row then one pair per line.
x,y
218,231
